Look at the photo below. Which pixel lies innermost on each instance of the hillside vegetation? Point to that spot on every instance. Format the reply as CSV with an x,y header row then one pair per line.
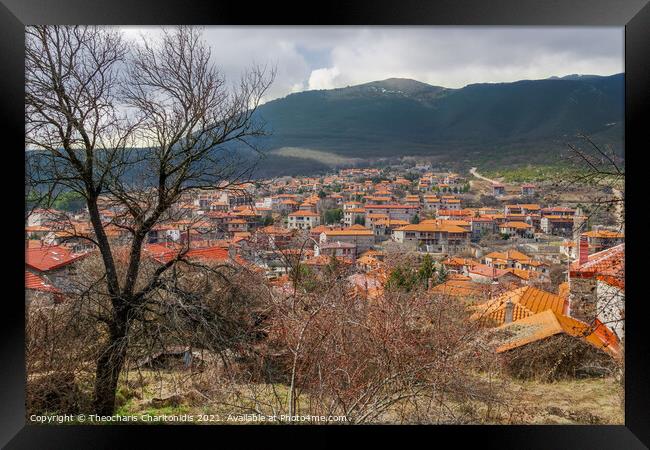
x,y
497,123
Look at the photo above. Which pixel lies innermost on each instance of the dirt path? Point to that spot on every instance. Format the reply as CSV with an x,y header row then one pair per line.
x,y
481,177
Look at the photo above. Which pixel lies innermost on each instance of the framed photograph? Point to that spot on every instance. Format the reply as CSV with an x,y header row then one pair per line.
x,y
377,219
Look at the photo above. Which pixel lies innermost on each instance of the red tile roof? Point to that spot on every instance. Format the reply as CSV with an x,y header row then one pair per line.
x,y
549,323
212,254
50,258
606,265
526,301
37,283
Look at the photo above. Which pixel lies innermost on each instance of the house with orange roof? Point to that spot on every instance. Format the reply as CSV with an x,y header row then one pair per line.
x,y
394,211
522,208
556,211
458,214
354,215
528,190
236,225
434,237
431,202
488,210
459,265
481,273
519,229
56,264
424,185
272,237
323,261
498,189
307,206
352,205
336,249
504,260
214,254
358,235
40,292
287,205
599,240
480,226
383,228
459,222
558,225
450,203
303,220
367,263
164,232
412,200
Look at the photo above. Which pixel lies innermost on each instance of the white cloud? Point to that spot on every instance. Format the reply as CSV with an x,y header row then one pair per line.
x,y
325,78
329,57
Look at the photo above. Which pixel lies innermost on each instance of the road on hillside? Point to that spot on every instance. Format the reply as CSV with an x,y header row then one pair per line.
x,y
478,175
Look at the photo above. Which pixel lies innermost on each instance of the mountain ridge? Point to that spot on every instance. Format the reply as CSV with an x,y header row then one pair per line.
x,y
404,117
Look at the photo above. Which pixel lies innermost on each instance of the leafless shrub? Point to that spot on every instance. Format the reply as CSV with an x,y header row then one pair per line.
x,y
556,358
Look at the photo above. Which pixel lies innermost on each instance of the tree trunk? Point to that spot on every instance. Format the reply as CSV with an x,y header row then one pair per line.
x,y
109,366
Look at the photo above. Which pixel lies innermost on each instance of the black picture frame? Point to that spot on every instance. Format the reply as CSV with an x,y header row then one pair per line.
x,y
634,15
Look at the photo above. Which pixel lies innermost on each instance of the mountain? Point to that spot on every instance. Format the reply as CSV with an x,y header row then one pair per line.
x,y
529,120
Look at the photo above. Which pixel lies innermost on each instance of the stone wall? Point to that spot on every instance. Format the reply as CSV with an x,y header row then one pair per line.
x,y
583,299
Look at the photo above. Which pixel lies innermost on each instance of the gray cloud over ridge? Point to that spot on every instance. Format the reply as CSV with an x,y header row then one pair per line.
x,y
329,57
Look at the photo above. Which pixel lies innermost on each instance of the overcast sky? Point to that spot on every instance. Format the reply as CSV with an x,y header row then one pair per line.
x,y
330,57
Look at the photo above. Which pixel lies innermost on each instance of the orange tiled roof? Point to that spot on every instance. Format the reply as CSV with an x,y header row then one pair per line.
x,y
458,277
37,283
349,232
215,253
462,289
604,234
324,260
50,258
549,323
431,227
517,225
272,229
304,214
526,302
522,273
508,255
487,271
606,263
458,261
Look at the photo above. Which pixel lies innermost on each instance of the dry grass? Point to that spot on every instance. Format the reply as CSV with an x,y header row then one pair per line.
x,y
574,402
587,401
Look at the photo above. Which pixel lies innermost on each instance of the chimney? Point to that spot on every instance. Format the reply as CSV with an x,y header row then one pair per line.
x,y
509,309
583,250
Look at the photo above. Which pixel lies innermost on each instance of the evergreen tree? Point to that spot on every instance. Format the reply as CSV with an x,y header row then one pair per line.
x,y
427,269
442,275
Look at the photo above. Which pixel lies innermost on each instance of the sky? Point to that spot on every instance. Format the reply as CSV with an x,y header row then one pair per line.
x,y
309,57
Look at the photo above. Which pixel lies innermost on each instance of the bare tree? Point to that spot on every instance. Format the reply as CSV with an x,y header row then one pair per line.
x,y
132,128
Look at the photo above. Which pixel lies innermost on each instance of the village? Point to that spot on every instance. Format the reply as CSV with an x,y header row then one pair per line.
x,y
523,262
